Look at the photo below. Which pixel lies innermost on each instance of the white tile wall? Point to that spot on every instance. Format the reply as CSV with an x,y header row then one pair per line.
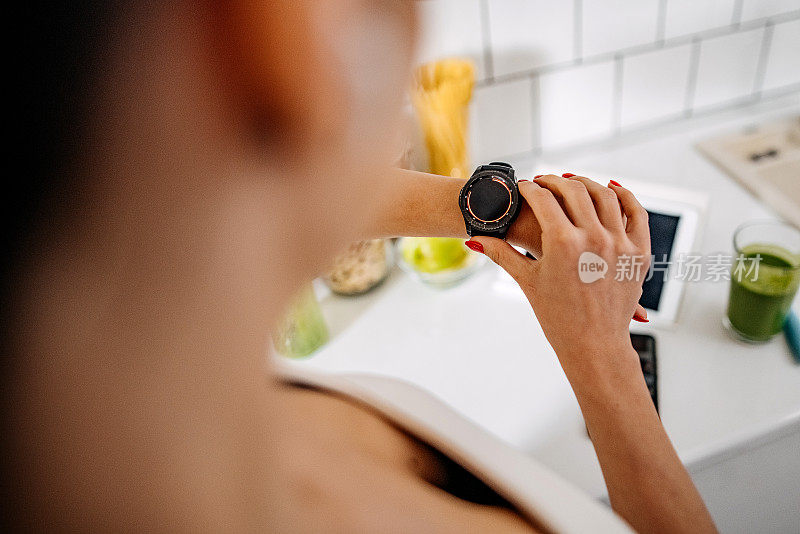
x,y
610,25
690,16
548,77
526,34
501,120
756,9
783,64
451,28
727,69
576,105
654,85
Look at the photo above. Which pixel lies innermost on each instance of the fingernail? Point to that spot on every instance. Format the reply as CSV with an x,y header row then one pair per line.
x,y
641,320
538,176
567,175
523,180
474,245
612,182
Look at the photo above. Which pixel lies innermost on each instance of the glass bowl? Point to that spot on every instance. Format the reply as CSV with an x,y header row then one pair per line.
x,y
440,277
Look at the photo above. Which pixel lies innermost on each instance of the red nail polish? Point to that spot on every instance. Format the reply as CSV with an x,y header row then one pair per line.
x,y
641,320
523,180
567,175
612,182
474,245
538,176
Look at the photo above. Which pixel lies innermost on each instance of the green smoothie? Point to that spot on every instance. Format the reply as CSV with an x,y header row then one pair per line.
x,y
760,297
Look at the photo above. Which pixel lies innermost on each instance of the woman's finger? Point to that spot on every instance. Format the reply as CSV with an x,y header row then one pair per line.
x,y
545,207
606,203
640,314
637,227
504,255
575,197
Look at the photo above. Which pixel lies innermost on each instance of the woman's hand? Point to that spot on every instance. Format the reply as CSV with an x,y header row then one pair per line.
x,y
585,287
525,231
584,312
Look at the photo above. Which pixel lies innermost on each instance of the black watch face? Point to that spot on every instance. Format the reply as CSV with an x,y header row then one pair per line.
x,y
489,201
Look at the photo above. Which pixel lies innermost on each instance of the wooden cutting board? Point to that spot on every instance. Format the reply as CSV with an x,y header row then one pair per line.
x,y
766,160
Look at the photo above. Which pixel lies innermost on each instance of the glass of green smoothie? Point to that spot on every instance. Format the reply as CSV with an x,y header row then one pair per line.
x,y
764,279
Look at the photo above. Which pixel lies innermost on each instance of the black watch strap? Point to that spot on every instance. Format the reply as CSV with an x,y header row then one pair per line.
x,y
472,232
498,166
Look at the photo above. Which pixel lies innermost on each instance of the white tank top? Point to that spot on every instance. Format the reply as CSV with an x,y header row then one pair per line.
x,y
541,496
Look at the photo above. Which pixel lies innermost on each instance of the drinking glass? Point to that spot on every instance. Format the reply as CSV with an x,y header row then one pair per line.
x,y
303,329
764,279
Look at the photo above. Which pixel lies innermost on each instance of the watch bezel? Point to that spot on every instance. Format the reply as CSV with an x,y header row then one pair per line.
x,y
505,220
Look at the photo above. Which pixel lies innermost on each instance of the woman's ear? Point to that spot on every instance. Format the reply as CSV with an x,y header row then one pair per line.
x,y
282,81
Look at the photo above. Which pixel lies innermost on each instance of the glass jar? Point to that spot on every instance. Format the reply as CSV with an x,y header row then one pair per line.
x,y
362,267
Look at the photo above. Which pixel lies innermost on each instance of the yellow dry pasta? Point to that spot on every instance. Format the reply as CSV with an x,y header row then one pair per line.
x,y
441,96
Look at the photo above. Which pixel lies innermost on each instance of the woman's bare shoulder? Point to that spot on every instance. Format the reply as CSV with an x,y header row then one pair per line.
x,y
349,470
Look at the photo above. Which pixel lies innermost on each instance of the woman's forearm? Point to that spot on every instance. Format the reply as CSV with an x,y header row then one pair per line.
x,y
647,483
420,204
426,205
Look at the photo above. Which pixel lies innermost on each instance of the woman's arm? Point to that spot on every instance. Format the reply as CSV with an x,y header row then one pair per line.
x,y
587,325
647,483
426,205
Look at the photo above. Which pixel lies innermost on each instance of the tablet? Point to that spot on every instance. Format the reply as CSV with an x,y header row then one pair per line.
x,y
674,228
676,217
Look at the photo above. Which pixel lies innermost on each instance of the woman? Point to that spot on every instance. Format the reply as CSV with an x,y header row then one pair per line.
x,y
195,163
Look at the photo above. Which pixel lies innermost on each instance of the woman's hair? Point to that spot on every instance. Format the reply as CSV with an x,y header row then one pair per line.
x,y
62,53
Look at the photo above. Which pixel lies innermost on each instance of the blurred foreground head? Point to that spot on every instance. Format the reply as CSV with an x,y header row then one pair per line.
x,y
181,158
312,86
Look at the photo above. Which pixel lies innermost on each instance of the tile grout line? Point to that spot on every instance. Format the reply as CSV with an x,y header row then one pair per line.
x,y
763,59
661,22
691,81
616,108
536,113
736,16
486,34
646,48
695,40
577,31
783,90
737,103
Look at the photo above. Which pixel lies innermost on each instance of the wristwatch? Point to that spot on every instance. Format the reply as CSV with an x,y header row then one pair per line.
x,y
489,201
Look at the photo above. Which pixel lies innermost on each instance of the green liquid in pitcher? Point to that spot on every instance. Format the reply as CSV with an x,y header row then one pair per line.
x,y
760,298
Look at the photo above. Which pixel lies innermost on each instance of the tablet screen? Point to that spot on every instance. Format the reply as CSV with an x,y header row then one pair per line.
x,y
662,238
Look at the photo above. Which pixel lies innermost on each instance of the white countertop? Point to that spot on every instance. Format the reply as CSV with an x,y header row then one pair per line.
x,y
479,348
